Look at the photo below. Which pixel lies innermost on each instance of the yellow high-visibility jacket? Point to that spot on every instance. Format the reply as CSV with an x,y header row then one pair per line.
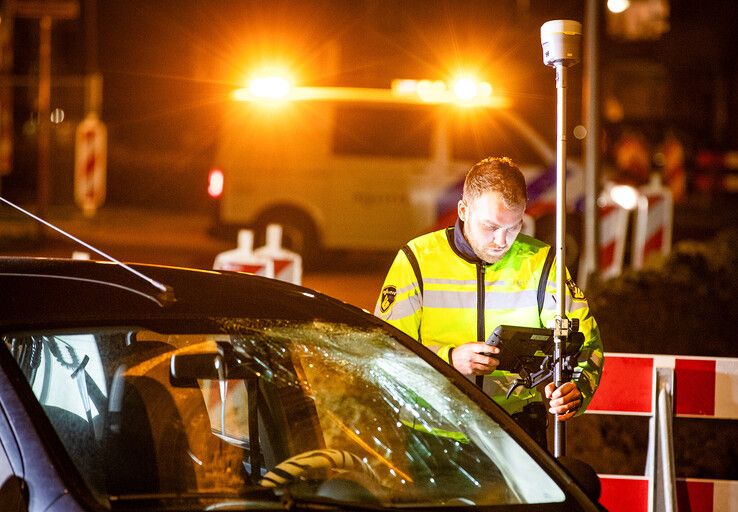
x,y
455,298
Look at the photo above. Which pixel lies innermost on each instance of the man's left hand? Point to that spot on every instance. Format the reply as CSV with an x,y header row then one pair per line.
x,y
565,400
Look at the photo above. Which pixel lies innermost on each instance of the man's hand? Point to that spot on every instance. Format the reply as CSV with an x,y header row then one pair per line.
x,y
470,358
565,400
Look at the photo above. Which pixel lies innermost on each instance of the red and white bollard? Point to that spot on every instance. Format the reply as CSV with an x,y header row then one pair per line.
x,y
653,224
287,264
243,259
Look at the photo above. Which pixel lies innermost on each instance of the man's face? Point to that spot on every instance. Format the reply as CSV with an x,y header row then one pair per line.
x,y
489,226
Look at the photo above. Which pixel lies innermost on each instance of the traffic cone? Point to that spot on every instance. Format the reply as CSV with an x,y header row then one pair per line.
x,y
287,264
243,259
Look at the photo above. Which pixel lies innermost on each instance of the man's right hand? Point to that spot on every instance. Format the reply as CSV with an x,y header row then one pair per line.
x,y
471,358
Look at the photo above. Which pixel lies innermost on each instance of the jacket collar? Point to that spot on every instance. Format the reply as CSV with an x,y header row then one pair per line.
x,y
460,245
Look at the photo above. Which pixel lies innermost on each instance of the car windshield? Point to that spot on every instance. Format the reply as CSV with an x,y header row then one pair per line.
x,y
318,410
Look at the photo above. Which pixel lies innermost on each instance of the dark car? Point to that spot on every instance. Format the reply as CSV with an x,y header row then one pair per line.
x,y
159,388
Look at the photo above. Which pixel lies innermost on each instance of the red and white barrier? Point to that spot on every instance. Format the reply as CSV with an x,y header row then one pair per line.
x,y
270,260
703,387
653,224
698,495
243,259
90,164
651,234
613,231
287,264
632,493
612,227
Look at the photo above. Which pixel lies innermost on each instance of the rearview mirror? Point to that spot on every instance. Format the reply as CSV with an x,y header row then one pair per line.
x,y
186,369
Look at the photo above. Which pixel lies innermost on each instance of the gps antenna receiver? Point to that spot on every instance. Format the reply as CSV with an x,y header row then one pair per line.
x,y
561,40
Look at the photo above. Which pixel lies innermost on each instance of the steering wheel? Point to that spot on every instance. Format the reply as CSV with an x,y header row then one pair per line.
x,y
305,463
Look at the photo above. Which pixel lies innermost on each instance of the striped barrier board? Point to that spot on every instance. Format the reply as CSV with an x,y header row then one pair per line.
x,y
697,495
704,387
613,231
653,224
632,493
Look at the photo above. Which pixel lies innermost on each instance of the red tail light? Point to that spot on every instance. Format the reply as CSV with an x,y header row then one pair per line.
x,y
215,183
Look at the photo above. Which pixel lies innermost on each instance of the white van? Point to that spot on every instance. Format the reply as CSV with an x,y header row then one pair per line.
x,y
359,168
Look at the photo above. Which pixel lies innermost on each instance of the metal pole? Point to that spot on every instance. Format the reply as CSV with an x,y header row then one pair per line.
x,y
93,78
560,338
46,12
589,261
560,40
44,128
664,479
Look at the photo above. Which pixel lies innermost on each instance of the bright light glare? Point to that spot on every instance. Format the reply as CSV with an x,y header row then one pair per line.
x,y
464,91
625,196
426,90
467,89
270,87
404,86
618,6
215,183
431,90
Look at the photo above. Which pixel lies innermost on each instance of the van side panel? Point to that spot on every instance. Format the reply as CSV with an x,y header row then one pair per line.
x,y
287,155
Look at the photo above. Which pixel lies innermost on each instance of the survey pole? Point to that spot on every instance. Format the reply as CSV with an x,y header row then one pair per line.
x,y
560,40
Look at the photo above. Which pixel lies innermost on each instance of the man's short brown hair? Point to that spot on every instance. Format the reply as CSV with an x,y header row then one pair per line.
x,y
496,174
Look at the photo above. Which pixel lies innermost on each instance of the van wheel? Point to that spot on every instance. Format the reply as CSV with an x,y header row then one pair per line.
x,y
546,232
299,234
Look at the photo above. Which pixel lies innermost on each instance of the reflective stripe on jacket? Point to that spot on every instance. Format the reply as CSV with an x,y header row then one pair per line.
x,y
459,300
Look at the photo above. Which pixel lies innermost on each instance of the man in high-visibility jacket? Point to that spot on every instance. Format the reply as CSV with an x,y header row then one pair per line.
x,y
449,289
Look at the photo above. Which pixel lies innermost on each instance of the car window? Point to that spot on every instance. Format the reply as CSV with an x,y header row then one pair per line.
x,y
275,404
66,376
382,131
57,362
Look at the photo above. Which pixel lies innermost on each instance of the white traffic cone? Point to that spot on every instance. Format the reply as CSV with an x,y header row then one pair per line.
x,y
287,264
243,259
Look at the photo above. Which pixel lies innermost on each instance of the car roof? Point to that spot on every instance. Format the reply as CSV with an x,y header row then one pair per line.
x,y
62,292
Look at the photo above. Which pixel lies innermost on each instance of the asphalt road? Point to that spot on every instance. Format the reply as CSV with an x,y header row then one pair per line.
x,y
182,239
178,239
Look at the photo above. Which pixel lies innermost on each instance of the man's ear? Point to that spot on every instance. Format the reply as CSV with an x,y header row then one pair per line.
x,y
461,210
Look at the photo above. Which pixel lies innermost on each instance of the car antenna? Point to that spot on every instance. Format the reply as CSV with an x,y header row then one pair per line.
x,y
167,293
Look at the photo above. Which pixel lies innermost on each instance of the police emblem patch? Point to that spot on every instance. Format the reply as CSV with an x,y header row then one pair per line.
x,y
576,292
388,298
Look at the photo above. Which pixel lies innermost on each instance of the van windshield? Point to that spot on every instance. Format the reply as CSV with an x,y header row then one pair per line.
x,y
277,405
478,133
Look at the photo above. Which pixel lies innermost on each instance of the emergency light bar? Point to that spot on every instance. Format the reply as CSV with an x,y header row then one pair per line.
x,y
274,87
464,92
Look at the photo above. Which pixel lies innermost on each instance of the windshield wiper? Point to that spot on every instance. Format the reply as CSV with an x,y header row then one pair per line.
x,y
251,495
300,501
